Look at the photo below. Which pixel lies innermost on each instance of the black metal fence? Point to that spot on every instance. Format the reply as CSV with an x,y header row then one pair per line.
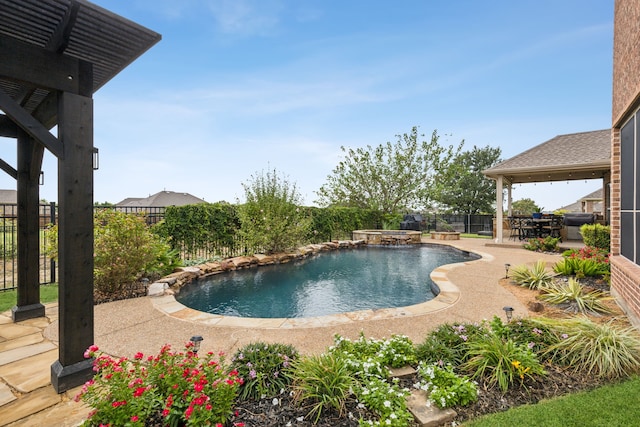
x,y
465,223
153,215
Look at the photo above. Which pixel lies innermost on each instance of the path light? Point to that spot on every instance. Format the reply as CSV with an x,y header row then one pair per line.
x,y
506,270
196,340
507,310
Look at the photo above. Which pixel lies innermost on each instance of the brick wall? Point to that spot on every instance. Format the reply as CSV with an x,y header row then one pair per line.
x,y
625,275
626,58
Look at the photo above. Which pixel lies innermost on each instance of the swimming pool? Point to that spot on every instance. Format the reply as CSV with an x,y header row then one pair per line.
x,y
327,283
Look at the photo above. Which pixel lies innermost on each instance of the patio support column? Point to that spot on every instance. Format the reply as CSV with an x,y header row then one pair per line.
x,y
499,207
75,242
509,200
30,154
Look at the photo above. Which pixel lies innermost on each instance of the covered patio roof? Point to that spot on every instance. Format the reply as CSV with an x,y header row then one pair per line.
x,y
583,155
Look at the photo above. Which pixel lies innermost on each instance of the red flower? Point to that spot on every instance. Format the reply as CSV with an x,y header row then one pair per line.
x,y
134,418
139,391
138,356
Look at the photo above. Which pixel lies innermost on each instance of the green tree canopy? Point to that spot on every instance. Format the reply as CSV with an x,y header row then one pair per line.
x,y
390,177
524,207
271,218
464,189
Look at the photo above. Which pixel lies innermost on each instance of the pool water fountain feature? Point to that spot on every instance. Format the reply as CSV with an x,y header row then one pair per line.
x,y
388,237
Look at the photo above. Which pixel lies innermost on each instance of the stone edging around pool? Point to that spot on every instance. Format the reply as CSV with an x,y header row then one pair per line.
x,y
163,299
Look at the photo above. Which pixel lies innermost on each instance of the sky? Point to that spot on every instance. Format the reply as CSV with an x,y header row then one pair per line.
x,y
237,87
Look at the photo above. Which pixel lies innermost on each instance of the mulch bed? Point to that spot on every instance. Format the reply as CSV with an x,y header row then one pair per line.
x,y
285,412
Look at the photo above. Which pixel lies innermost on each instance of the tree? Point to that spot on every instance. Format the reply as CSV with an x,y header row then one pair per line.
x,y
524,207
464,189
390,177
271,218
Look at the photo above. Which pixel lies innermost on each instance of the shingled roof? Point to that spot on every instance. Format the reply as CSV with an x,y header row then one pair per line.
x,y
162,199
584,155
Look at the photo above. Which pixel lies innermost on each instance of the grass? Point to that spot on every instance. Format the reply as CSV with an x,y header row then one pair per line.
x,y
610,405
48,293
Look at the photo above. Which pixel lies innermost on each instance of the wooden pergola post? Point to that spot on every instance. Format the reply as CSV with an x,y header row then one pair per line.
x,y
30,154
75,242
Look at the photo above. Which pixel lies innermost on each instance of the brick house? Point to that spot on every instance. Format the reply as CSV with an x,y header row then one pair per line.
x,y
625,162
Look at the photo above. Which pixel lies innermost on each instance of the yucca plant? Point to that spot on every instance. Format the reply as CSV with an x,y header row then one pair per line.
x,y
602,349
535,277
324,380
571,295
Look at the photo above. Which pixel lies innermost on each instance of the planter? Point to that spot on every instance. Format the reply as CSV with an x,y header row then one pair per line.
x,y
445,235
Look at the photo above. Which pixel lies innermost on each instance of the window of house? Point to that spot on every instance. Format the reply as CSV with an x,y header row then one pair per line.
x,y
630,189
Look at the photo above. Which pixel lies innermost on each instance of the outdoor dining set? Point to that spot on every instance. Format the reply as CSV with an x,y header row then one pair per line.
x,y
528,227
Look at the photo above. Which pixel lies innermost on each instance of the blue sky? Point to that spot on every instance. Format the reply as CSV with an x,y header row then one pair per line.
x,y
240,86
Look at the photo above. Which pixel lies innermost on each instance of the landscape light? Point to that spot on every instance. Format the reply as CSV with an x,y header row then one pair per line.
x,y
506,270
196,340
509,312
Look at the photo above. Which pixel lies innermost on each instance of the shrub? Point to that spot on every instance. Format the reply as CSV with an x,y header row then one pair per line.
x,y
264,368
571,295
123,248
536,277
184,388
502,361
271,219
325,380
447,344
588,261
387,400
546,244
372,356
604,350
444,387
525,332
596,235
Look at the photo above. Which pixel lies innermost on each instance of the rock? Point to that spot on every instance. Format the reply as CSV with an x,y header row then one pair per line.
x,y
535,306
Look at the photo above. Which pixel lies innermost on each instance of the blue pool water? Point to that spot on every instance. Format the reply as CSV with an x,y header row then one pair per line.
x,y
327,283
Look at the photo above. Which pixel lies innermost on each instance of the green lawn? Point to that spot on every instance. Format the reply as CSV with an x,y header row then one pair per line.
x,y
48,293
611,405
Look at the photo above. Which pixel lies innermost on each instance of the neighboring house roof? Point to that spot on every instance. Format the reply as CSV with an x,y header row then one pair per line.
x,y
583,155
8,196
576,206
162,199
596,195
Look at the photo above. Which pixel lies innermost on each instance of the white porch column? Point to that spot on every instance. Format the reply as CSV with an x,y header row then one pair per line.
x,y
499,204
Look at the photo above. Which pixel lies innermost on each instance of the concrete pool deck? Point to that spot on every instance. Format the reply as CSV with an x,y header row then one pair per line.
x,y
122,328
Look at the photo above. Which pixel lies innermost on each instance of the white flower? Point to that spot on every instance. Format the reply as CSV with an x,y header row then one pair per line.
x,y
387,404
275,401
300,419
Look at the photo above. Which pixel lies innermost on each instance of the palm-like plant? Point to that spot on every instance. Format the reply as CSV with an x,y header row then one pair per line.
x,y
535,277
571,295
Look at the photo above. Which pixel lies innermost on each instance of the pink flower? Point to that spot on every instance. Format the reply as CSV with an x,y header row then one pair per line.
x,y
90,352
138,356
134,418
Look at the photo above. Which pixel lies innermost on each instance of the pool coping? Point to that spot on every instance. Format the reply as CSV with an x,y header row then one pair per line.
x,y
447,297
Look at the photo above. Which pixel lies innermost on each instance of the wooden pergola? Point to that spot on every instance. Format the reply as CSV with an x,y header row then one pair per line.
x,y
576,156
55,54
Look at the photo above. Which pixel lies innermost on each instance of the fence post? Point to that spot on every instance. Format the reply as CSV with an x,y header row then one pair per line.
x,y
52,214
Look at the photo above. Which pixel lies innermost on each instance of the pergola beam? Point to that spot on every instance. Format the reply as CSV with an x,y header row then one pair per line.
x,y
42,68
30,125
